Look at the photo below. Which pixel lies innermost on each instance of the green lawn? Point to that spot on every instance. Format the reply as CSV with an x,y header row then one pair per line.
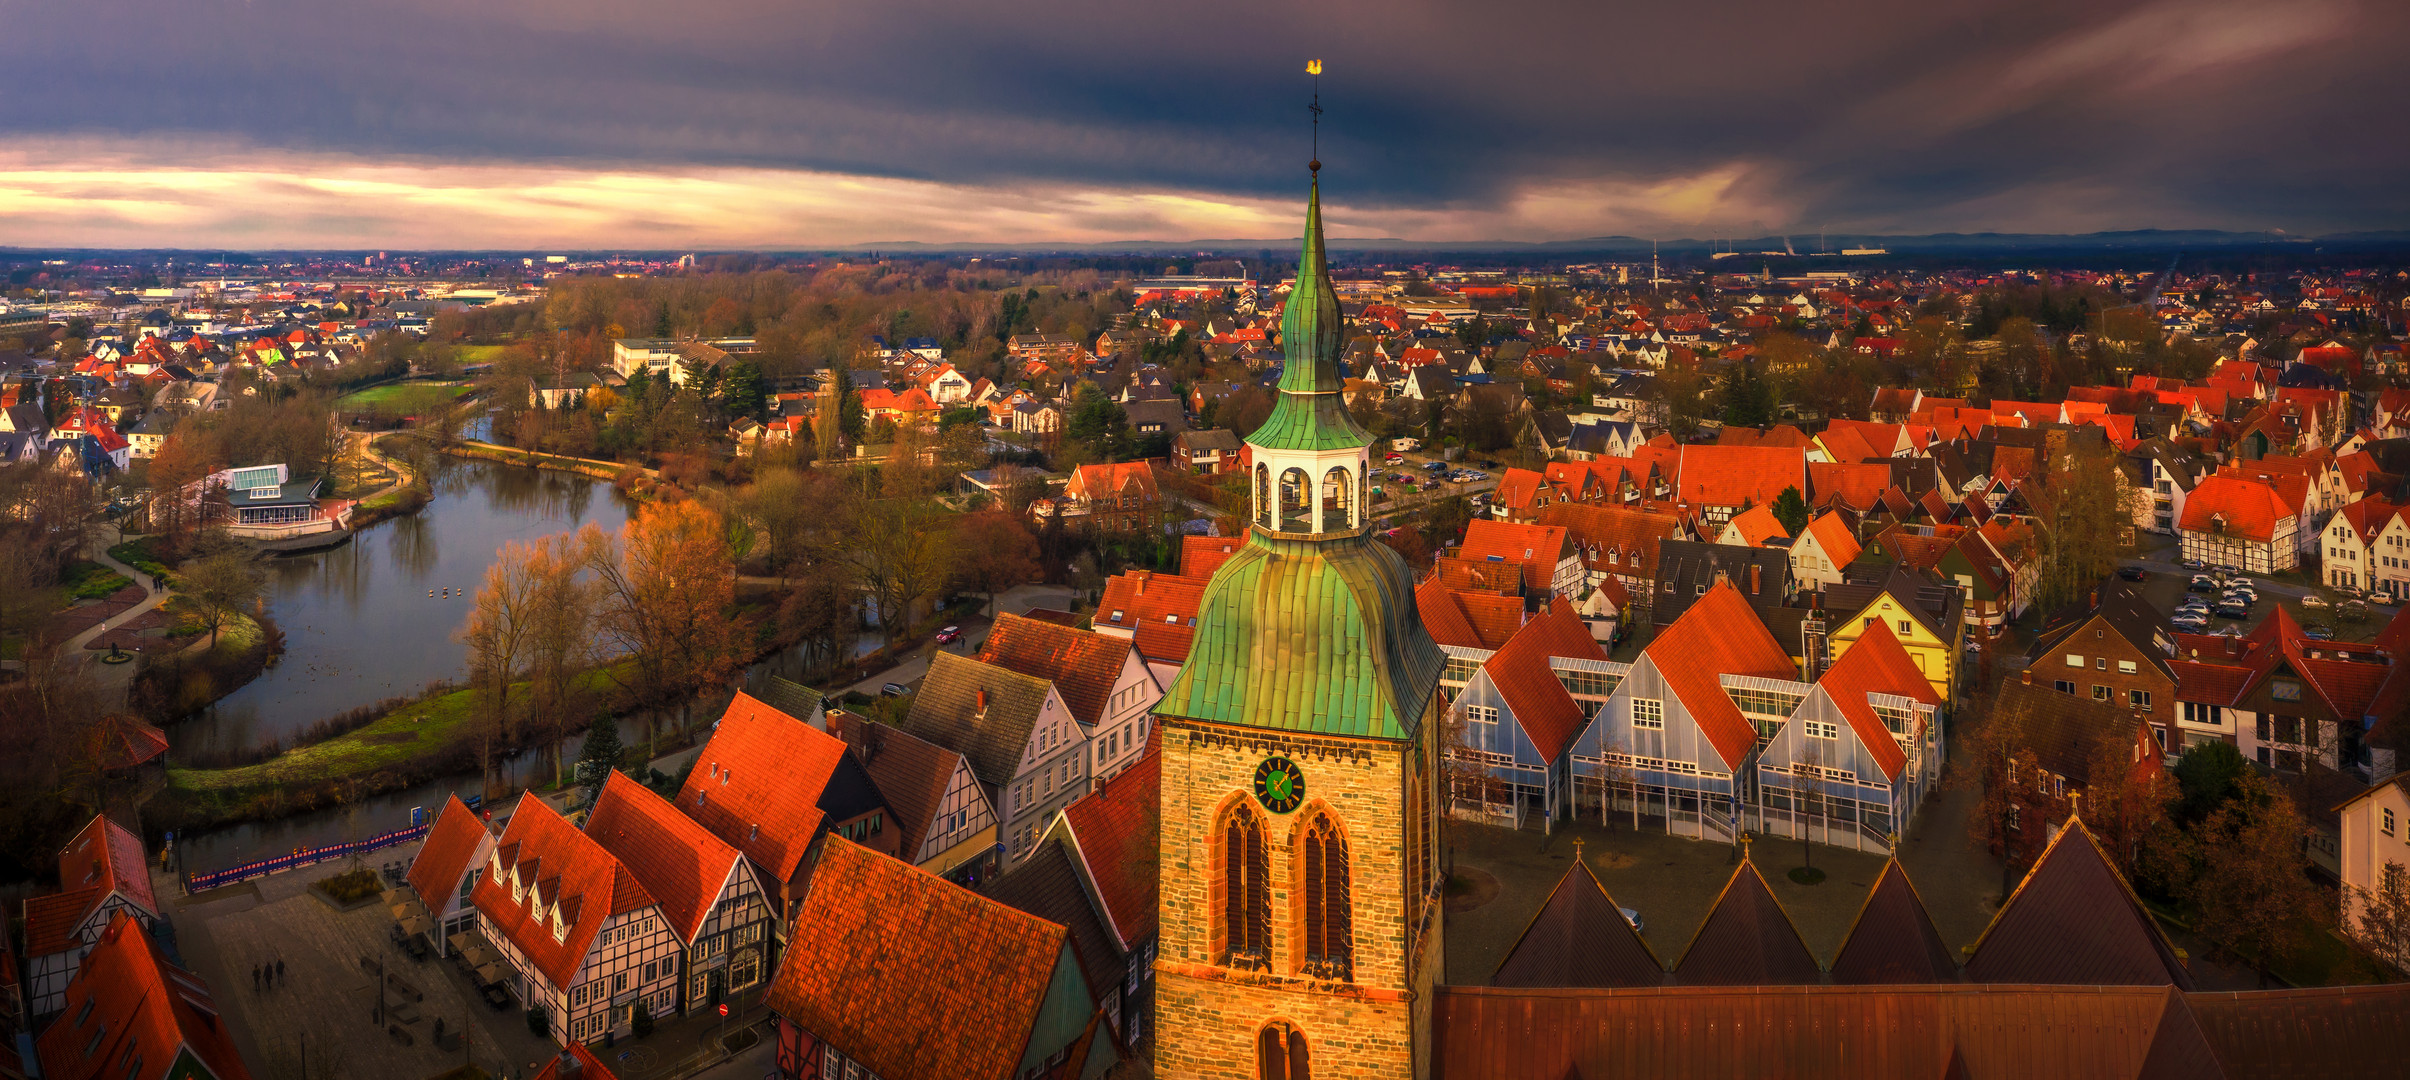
x,y
399,393
410,731
91,581
477,354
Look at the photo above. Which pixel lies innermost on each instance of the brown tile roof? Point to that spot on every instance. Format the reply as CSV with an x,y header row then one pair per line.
x,y
1893,940
949,711
1632,534
757,785
1835,1033
1117,829
444,856
1519,669
1081,664
563,866
2318,1031
1747,940
681,865
2062,730
911,775
1718,635
2075,920
142,1009
1579,938
1047,884
910,974
129,742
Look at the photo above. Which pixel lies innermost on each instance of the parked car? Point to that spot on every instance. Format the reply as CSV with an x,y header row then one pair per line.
x,y
2190,624
2132,573
2233,609
893,689
1460,478
1394,459
2193,564
2319,633
949,635
1435,466
2228,569
2202,583
2375,596
2313,600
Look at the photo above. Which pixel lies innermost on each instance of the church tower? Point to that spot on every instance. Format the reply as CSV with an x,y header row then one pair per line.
x,y
1300,923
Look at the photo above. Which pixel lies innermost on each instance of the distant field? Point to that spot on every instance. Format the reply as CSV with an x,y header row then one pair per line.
x,y
477,354
398,393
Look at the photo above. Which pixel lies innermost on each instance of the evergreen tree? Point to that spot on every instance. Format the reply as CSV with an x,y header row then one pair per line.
x,y
1791,510
599,757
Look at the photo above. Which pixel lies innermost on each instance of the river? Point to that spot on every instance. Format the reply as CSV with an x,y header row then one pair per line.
x,y
359,626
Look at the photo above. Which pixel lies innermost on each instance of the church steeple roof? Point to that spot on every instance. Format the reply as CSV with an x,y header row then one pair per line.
x,y
1311,414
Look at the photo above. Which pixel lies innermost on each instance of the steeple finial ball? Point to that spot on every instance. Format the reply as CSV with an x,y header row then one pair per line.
x,y
1314,166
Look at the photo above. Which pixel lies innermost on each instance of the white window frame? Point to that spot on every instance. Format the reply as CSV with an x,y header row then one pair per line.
x,y
1648,713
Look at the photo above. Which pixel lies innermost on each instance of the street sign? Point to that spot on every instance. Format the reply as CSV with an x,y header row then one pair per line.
x,y
723,1009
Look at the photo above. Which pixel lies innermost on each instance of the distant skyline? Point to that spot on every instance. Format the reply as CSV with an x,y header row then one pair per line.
x,y
729,124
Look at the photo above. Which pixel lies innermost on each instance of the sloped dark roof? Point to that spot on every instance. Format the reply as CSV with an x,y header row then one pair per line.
x,y
1747,940
790,697
947,712
1047,885
1579,938
1893,939
2074,920
2316,1031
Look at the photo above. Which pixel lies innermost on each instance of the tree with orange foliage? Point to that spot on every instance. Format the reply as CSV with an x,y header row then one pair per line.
x,y
668,584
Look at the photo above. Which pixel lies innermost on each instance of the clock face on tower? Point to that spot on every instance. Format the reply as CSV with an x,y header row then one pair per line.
x,y
1279,784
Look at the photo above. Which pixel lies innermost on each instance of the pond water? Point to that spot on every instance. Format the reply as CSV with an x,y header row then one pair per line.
x,y
359,626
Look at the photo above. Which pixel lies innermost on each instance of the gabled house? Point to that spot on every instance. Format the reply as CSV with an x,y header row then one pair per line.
x,y
1208,453
2238,522
1670,739
445,870
2114,648
704,887
129,1014
1120,496
1113,835
1521,713
941,815
1923,611
1858,753
101,875
1545,555
769,784
1822,552
585,944
1100,677
1021,738
2367,546
968,988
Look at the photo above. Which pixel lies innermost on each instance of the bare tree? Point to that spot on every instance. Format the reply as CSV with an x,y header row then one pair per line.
x,y
500,625
219,587
560,639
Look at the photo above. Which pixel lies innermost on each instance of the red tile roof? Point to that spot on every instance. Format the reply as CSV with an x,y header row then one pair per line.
x,y
1885,668
444,856
1116,829
1536,548
2248,508
130,742
101,858
1858,485
1518,488
910,974
1160,609
52,919
767,769
1632,534
143,1009
1081,664
1832,534
1443,616
1758,525
589,1067
564,867
1718,635
681,865
1732,475
1200,556
1520,671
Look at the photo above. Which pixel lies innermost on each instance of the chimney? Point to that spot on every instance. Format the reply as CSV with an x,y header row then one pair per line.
x,y
983,703
1754,571
568,1065
2096,598
2025,676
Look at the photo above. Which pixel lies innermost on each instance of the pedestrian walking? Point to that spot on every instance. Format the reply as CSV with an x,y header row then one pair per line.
x,y
280,971
255,978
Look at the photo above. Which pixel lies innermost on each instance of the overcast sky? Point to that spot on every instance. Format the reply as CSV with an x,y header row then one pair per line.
x,y
778,123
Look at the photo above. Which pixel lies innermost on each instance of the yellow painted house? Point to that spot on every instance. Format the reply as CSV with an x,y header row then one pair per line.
x,y
1924,611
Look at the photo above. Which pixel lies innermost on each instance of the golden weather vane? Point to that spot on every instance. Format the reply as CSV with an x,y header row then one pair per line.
x,y
1314,68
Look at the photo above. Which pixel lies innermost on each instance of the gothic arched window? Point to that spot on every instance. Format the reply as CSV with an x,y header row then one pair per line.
x,y
1280,1054
1244,914
1326,904
1296,502
1338,495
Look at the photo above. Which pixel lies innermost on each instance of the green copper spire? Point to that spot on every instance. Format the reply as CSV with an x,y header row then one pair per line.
x,y
1311,414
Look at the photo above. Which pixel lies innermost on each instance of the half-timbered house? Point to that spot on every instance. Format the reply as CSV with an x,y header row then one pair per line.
x,y
586,945
446,869
706,889
101,873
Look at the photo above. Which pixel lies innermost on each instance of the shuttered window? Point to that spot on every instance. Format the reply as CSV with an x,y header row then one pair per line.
x,y
1246,890
1329,937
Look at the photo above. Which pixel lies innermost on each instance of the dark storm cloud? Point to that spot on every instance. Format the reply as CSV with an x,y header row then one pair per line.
x,y
1731,116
